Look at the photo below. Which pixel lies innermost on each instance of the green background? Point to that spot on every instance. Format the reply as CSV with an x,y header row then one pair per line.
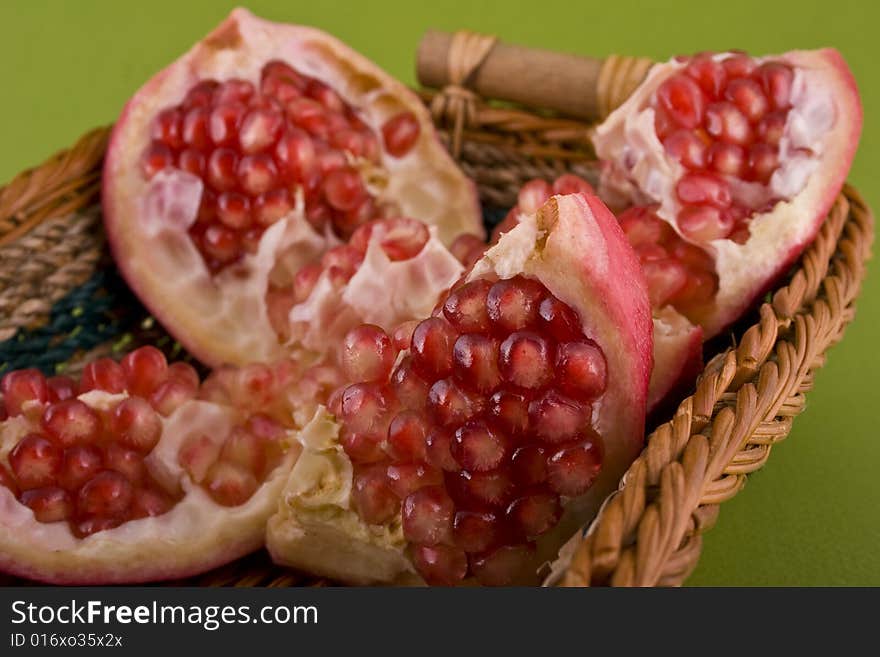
x,y
812,516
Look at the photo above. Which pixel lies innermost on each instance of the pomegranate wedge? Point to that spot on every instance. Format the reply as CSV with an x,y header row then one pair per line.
x,y
473,443
136,472
240,172
742,157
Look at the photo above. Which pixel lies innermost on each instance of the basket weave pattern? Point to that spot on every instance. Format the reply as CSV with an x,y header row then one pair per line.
x,y
649,532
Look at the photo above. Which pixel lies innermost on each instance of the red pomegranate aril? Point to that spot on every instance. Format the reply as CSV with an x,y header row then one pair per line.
x,y
406,437
432,344
183,372
92,525
665,278
35,462
256,173
568,183
304,281
748,97
343,189
233,210
526,360
233,91
708,73
149,503
221,170
478,447
727,159
400,133
509,411
492,488
512,304
776,79
49,504
581,369
271,206
504,566
244,449
145,368
468,249
684,101
534,514
702,223
465,307
126,462
78,465
408,386
403,238
156,158
438,446
221,244
726,122
224,122
197,454
135,424
703,189
559,319
61,388
529,465
533,195
372,498
406,478
699,289
363,447
259,130
278,70
771,128
201,94
166,128
349,140
427,516
555,418
328,98
686,147
572,469
476,531
103,374
107,494
663,123
191,161
229,484
21,387
440,565
738,65
763,161
295,155
401,336
71,422
363,407
170,395
475,362
367,354
449,405
195,132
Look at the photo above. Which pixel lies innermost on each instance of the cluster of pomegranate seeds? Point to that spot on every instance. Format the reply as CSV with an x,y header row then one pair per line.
x,y
478,431
723,120
678,273
86,466
255,145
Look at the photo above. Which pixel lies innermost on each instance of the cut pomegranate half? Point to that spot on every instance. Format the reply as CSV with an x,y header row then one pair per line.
x,y
137,472
742,157
238,173
506,418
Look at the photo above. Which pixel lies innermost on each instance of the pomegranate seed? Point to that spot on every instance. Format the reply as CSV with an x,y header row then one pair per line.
x,y
440,565
254,385
686,147
88,526
509,411
726,122
727,159
78,465
281,71
233,91
763,161
343,189
479,448
529,465
408,387
700,288
708,73
506,565
438,446
400,133
703,188
272,206
526,359
776,80
465,307
309,115
49,504
534,514
295,155
432,344
244,449
224,122
61,388
771,128
325,96
191,161
166,128
195,132
185,373
468,249
107,494
349,140
747,95
229,484
149,503
372,498
572,469
580,369
103,374
493,488
401,337
568,183
703,224
476,531
555,418
23,387
341,262
207,208
171,395
738,66
403,238
663,124
136,425
367,354
651,254
475,362
533,195
233,210
144,368
512,304
304,281
260,129
256,173
449,404
156,158
406,437
221,244
681,97
665,278
201,94
71,422
363,447
427,516
363,408
221,171
559,319
406,478
126,462
197,454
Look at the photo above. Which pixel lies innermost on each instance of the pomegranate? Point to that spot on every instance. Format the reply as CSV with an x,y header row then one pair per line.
x,y
136,472
244,170
473,443
741,158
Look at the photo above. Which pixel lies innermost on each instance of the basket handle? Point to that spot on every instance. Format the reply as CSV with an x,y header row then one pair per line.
x,y
586,88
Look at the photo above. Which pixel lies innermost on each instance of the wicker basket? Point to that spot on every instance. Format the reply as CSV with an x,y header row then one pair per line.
x,y
62,302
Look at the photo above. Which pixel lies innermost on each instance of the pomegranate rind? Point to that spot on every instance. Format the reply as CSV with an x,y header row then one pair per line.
x,y
575,247
223,319
637,170
678,357
196,535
